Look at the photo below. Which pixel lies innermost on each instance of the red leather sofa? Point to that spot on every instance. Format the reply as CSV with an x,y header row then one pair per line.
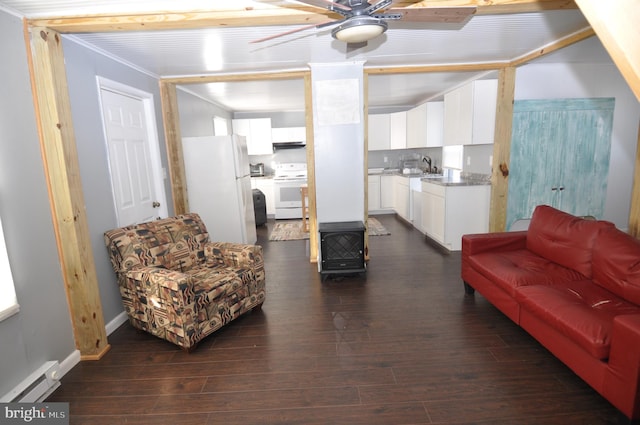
x,y
574,285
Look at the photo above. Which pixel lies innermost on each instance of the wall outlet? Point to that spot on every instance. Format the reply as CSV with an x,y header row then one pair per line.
x,y
386,159
468,160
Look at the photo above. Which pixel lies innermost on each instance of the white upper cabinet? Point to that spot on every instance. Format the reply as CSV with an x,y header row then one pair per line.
x,y
398,127
288,134
435,124
470,113
417,127
425,125
257,132
378,132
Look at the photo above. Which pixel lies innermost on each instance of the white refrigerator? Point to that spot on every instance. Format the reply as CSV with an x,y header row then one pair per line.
x,y
219,186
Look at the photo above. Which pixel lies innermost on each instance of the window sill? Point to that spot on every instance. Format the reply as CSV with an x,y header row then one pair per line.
x,y
9,311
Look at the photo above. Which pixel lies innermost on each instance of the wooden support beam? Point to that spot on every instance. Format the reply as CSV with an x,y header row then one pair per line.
x,y
173,141
616,24
62,172
462,67
496,7
231,14
583,34
311,170
634,215
502,150
235,78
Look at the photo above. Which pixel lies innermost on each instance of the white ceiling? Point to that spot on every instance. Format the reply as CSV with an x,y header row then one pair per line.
x,y
228,50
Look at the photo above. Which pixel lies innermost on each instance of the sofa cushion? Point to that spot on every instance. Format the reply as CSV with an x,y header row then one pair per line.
x,y
616,264
511,269
582,311
563,238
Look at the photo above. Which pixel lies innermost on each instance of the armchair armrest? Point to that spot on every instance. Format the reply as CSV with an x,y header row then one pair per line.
x,y
160,282
485,242
234,255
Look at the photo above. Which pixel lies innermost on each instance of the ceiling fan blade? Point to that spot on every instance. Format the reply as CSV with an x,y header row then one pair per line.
x,y
293,31
329,23
435,14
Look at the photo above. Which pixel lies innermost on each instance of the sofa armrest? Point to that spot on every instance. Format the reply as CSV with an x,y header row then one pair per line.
x,y
234,255
161,282
486,242
623,382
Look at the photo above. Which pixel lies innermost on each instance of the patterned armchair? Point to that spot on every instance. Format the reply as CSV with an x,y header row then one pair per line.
x,y
179,286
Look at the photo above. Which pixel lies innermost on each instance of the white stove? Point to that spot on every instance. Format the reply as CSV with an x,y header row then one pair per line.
x,y
287,180
290,171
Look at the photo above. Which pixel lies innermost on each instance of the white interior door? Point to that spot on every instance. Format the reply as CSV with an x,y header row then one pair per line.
x,y
134,167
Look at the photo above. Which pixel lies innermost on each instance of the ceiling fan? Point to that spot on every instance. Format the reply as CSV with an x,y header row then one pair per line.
x,y
361,21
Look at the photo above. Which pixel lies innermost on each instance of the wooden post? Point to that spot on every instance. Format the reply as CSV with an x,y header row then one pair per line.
x,y
634,215
62,172
311,170
173,141
502,150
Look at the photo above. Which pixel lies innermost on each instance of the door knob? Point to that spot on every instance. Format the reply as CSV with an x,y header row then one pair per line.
x,y
155,204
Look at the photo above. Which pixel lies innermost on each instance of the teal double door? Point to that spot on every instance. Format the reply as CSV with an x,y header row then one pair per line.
x,y
560,152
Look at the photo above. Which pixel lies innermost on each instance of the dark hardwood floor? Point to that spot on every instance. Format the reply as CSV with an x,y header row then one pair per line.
x,y
402,345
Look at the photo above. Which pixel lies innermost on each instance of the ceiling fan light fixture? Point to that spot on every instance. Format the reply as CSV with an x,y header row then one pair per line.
x,y
359,29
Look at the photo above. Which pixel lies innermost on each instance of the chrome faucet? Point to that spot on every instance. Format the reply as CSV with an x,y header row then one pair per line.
x,y
427,159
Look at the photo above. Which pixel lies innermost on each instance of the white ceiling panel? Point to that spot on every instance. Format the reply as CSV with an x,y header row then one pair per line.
x,y
228,50
253,96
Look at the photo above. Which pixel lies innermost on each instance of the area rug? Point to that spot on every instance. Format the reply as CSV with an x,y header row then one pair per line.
x,y
291,230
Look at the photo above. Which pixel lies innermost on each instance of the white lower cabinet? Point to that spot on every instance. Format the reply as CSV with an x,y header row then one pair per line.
x,y
374,192
265,185
387,197
402,193
448,212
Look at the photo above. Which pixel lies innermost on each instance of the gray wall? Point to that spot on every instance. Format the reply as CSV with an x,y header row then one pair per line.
x,y
83,66
42,330
196,115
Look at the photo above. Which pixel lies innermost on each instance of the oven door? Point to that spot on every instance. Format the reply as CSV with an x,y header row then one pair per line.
x,y
287,193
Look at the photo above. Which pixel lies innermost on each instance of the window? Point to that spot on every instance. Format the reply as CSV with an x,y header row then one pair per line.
x,y
452,157
8,301
220,126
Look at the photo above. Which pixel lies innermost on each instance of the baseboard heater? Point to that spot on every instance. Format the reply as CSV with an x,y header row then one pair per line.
x,y
37,386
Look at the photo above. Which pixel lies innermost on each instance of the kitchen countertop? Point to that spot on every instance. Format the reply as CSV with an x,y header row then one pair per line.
x,y
463,179
469,180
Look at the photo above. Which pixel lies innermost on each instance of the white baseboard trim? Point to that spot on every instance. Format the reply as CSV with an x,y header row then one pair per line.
x,y
116,322
67,364
74,358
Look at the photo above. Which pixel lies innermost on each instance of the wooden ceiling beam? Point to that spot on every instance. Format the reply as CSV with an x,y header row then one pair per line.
x,y
498,7
265,14
227,78
616,24
420,69
583,34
